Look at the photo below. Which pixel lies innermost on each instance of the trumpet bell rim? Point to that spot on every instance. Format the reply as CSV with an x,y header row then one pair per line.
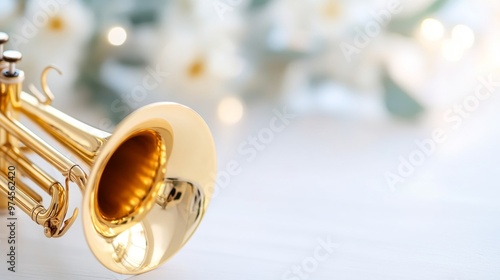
x,y
151,224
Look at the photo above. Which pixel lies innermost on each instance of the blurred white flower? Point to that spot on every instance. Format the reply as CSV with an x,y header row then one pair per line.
x,y
317,31
200,51
200,67
53,34
360,71
305,26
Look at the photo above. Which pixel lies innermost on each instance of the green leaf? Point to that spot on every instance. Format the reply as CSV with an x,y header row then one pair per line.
x,y
257,4
132,60
399,102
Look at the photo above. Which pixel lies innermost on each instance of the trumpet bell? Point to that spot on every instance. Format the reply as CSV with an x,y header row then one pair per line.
x,y
149,188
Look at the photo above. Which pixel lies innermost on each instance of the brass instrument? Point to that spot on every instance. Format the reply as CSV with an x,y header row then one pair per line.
x,y
148,185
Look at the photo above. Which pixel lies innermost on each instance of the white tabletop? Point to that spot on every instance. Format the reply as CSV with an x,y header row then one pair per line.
x,y
321,180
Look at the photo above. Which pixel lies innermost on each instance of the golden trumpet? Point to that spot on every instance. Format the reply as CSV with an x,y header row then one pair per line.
x,y
149,182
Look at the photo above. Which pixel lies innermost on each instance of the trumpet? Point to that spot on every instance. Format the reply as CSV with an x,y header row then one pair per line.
x,y
146,187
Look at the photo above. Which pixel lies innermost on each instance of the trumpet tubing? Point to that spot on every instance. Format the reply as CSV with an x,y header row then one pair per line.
x,y
145,187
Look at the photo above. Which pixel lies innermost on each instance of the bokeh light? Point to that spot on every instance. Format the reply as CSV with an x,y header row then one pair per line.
x,y
432,29
463,35
117,36
230,110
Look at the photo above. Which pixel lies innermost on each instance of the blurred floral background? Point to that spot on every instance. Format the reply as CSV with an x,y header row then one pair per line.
x,y
366,59
371,86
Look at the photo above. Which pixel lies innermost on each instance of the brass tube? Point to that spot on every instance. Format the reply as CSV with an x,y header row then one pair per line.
x,y
32,141
77,136
20,185
22,200
40,177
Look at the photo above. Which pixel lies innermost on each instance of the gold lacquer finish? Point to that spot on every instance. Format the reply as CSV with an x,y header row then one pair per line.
x,y
147,186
